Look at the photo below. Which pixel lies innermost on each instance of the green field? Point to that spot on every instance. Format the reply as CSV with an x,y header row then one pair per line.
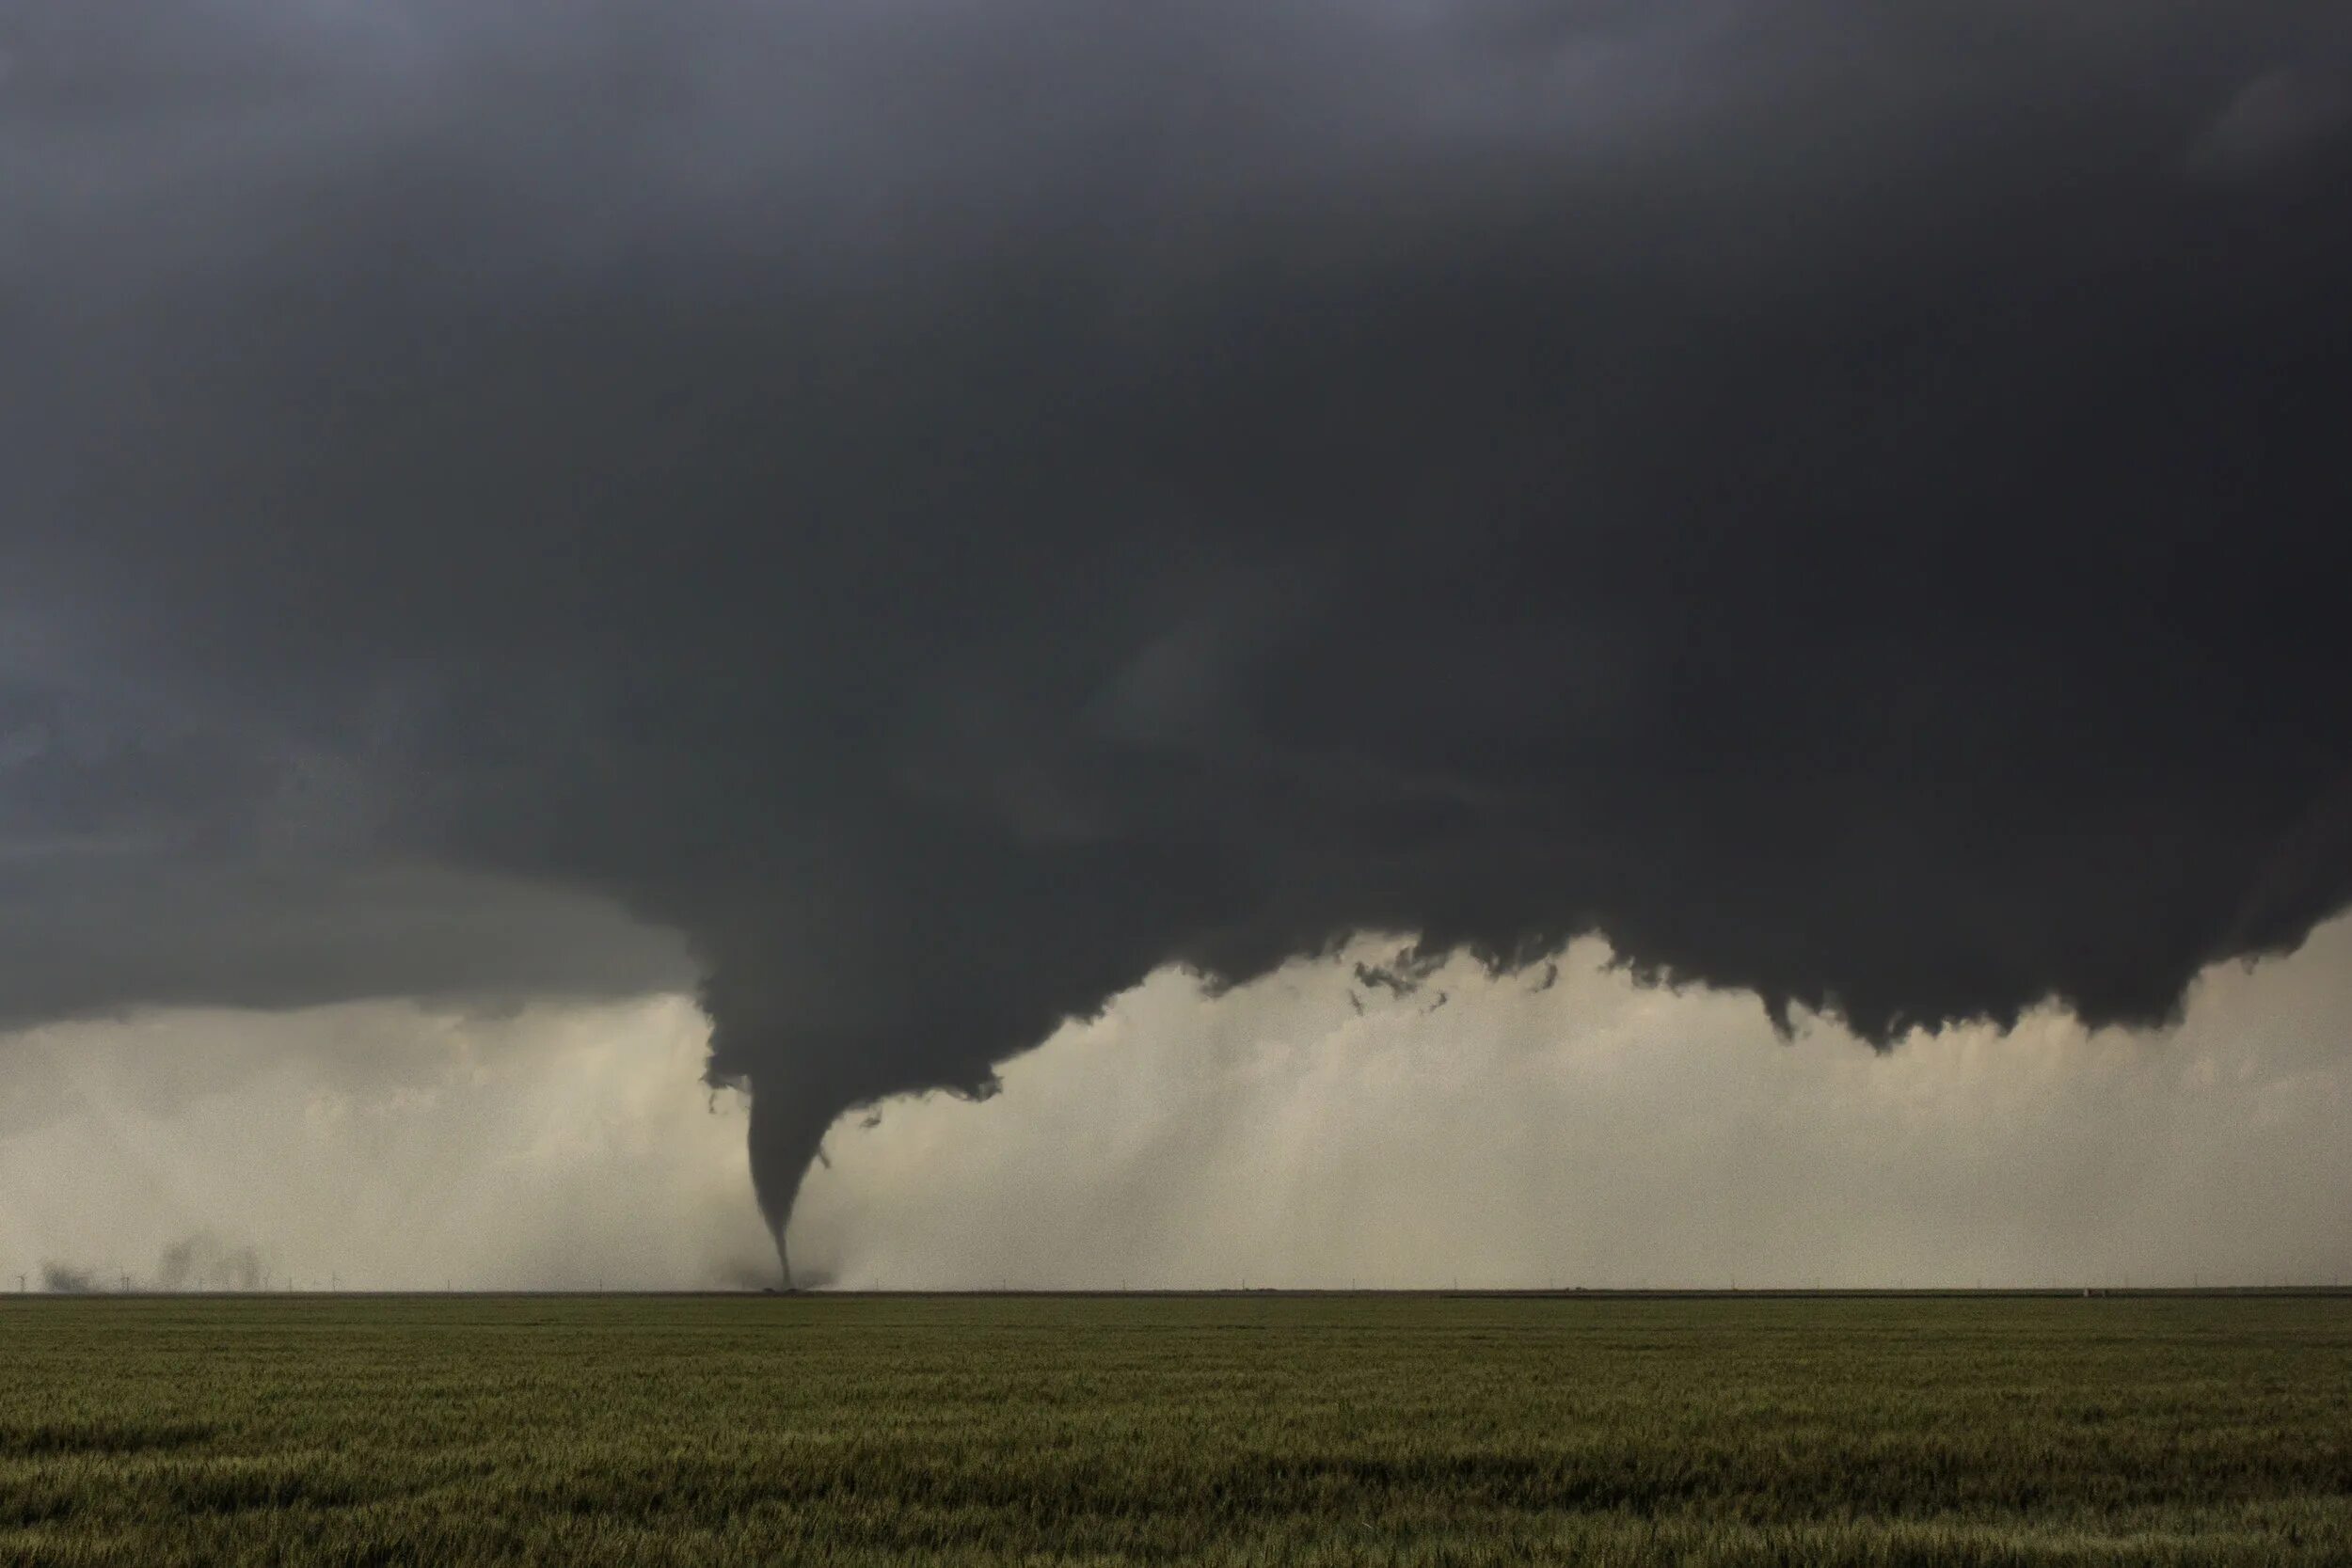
x,y
460,1430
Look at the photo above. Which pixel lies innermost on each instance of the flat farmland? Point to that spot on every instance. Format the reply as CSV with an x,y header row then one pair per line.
x,y
1168,1428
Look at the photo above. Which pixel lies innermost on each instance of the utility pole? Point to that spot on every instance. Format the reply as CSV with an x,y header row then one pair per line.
x,y
126,1284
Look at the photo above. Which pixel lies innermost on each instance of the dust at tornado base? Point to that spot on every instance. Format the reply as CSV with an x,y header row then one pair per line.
x,y
1160,1429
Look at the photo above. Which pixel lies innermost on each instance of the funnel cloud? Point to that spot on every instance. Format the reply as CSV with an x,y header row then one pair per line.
x,y
925,515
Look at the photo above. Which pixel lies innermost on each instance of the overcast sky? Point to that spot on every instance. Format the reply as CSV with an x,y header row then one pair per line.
x,y
902,520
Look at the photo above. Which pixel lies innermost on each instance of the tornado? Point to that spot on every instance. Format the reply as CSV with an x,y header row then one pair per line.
x,y
786,1135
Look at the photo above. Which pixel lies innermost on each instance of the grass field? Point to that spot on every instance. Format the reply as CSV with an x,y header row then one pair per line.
x,y
1395,1430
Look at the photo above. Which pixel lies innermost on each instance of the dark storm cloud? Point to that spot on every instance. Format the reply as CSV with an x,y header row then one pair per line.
x,y
951,507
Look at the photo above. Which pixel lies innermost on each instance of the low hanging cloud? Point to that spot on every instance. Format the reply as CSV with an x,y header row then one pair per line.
x,y
947,510
1595,1132
1601,1134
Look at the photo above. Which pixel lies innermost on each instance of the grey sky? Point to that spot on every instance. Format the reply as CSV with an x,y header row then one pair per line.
x,y
939,512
